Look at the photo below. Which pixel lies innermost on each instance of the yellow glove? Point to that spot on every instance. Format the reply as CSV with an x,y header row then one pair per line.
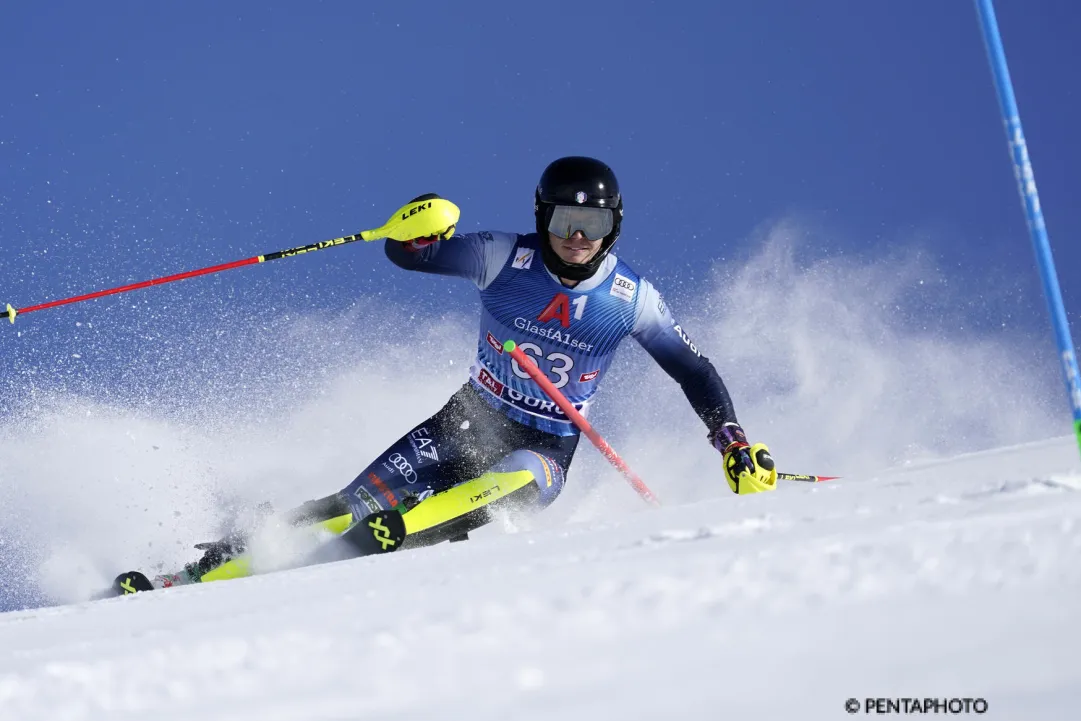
x,y
748,469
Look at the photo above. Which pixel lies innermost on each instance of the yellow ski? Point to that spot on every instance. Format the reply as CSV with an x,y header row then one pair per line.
x,y
429,515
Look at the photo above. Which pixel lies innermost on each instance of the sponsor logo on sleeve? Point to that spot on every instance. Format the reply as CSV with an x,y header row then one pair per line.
x,y
687,339
587,377
623,288
523,258
492,341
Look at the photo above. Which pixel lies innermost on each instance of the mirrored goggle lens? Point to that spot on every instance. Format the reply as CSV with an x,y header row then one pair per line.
x,y
595,223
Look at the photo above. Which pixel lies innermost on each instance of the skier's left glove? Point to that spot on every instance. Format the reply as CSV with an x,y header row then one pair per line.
x,y
420,243
747,468
415,244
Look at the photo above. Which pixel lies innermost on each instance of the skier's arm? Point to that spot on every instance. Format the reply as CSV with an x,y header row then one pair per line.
x,y
665,340
476,256
747,468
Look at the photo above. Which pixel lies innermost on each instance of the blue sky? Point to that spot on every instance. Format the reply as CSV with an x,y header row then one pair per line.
x,y
139,139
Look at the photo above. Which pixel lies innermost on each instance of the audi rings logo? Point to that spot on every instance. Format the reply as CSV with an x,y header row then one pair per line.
x,y
404,467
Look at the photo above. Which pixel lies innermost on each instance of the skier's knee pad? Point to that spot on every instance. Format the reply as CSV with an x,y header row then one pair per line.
x,y
546,472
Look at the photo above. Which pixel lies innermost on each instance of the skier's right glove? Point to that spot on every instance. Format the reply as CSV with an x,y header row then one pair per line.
x,y
747,468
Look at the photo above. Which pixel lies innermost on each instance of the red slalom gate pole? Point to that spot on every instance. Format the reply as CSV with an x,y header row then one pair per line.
x,y
526,363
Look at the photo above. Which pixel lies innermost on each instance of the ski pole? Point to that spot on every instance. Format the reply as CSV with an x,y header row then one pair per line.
x,y
423,217
804,478
527,364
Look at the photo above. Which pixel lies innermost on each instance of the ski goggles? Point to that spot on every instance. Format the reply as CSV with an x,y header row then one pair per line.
x,y
595,223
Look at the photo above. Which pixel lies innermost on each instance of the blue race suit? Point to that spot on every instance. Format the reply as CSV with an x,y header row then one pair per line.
x,y
571,332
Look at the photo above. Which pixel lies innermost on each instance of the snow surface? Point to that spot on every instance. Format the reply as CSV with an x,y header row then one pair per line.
x,y
935,568
951,579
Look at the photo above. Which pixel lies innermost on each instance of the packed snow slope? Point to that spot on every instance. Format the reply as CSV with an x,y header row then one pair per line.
x,y
956,578
937,567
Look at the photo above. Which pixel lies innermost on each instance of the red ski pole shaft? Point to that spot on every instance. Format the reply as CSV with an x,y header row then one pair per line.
x,y
421,217
529,366
805,478
12,312
133,286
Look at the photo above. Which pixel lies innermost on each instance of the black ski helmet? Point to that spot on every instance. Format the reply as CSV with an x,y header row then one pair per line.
x,y
579,181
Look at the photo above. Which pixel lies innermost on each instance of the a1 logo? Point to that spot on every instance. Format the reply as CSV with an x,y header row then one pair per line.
x,y
560,308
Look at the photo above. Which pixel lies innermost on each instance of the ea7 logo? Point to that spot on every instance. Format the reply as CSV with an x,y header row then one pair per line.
x,y
423,445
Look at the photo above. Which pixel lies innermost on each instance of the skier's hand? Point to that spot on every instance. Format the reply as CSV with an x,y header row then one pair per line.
x,y
747,468
415,244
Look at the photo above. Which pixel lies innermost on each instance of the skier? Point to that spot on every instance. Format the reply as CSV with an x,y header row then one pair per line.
x,y
568,302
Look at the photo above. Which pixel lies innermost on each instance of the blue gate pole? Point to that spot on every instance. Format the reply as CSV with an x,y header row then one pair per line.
x,y
1026,182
